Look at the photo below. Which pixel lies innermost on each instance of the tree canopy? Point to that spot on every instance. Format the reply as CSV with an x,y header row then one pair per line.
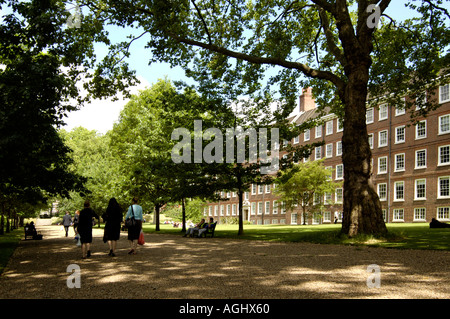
x,y
142,142
94,160
231,46
304,185
262,49
42,64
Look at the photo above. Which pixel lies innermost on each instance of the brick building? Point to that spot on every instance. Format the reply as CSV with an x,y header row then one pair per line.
x,y
410,167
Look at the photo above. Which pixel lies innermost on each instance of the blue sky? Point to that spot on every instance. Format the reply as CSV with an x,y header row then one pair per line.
x,y
100,115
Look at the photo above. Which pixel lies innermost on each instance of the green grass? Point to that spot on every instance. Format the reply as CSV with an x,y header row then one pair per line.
x,y
400,236
8,243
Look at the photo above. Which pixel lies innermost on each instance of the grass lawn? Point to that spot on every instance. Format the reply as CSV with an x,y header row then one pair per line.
x,y
402,236
8,243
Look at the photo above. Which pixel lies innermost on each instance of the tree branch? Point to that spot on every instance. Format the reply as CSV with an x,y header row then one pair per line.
x,y
129,44
310,72
334,49
345,28
282,14
315,45
305,69
327,6
445,11
383,5
203,21
289,9
363,29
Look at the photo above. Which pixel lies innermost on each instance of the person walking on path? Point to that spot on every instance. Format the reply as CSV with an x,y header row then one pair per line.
x,y
85,229
75,221
67,222
135,211
113,218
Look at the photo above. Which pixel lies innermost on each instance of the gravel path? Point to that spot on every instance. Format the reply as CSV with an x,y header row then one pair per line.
x,y
174,267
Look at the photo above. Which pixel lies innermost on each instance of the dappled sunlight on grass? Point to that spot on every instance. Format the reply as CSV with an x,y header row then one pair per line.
x,y
405,236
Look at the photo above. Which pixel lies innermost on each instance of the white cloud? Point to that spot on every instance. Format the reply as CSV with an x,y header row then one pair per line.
x,y
100,115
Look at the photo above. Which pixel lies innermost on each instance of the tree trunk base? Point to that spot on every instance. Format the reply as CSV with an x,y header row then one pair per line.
x,y
363,213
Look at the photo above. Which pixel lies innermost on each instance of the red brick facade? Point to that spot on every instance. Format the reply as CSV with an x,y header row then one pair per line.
x,y
410,171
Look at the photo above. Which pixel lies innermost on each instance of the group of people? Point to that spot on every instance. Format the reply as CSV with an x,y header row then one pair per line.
x,y
83,222
201,227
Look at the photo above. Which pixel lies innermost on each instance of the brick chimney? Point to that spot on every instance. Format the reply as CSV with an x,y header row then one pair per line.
x,y
306,100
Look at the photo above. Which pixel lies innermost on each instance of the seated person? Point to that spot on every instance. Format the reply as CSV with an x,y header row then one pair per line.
x,y
437,224
30,229
191,230
208,225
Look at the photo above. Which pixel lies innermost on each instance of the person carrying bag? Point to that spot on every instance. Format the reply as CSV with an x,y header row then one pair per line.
x,y
130,222
133,222
141,240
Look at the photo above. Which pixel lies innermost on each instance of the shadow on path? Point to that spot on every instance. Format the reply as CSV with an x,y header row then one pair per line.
x,y
169,266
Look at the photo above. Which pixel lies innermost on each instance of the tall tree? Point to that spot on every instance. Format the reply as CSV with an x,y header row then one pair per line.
x,y
143,141
42,61
303,184
332,45
94,160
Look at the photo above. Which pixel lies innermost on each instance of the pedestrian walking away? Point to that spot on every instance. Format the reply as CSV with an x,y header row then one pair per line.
x,y
113,219
75,221
134,211
85,229
67,222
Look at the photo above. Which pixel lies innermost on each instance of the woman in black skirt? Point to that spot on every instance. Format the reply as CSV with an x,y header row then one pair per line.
x,y
85,228
113,218
134,211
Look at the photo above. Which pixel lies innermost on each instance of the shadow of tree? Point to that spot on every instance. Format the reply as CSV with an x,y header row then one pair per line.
x,y
170,266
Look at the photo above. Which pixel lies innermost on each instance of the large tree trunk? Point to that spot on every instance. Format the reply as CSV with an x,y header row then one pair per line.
x,y
362,207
